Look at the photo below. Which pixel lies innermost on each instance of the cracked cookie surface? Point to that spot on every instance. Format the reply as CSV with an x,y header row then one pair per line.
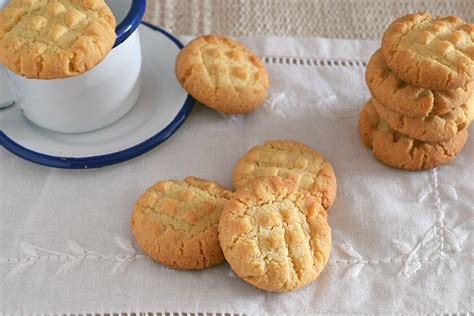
x,y
291,160
430,53
52,39
401,151
175,222
409,100
274,236
222,74
432,128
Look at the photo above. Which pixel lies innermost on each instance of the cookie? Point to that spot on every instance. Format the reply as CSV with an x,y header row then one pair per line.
x,y
432,128
45,39
175,222
409,100
292,160
430,53
400,151
222,74
274,236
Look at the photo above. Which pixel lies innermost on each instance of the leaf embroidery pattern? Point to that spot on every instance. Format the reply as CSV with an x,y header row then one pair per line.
x,y
125,244
438,241
73,261
21,268
424,193
120,266
75,247
349,250
28,249
353,271
435,245
402,247
358,264
448,191
452,240
69,266
412,264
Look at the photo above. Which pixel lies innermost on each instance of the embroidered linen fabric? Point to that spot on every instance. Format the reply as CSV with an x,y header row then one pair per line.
x,y
401,240
361,19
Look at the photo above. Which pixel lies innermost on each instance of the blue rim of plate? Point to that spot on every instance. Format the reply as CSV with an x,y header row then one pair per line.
x,y
108,159
130,22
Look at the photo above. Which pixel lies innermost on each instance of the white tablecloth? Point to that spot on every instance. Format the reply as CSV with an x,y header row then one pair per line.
x,y
401,239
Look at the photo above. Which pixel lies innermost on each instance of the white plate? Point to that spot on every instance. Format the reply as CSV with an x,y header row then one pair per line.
x,y
161,109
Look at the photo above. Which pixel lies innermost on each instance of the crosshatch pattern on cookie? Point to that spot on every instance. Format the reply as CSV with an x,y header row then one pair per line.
x,y
48,40
290,160
273,236
401,151
433,128
410,100
222,74
175,222
430,53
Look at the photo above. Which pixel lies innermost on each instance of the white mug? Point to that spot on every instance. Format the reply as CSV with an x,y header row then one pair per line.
x,y
93,99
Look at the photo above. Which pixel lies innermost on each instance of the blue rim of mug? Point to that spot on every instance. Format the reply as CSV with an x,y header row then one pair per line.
x,y
131,21
107,159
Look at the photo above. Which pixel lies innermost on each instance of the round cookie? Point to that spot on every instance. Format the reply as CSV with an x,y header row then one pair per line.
x,y
291,160
409,100
222,74
274,236
175,222
430,53
400,151
432,128
43,39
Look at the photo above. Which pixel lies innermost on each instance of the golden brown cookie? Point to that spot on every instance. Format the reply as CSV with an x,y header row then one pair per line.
x,y
409,100
400,151
176,222
291,160
222,74
274,236
430,53
47,39
432,128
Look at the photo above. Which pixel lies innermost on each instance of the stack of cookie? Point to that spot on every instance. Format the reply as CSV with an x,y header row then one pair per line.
x,y
422,83
272,230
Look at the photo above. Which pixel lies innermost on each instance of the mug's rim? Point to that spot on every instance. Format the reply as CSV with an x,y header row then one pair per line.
x,y
131,21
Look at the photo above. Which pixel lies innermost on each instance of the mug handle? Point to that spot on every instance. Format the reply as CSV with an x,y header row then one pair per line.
x,y
6,96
